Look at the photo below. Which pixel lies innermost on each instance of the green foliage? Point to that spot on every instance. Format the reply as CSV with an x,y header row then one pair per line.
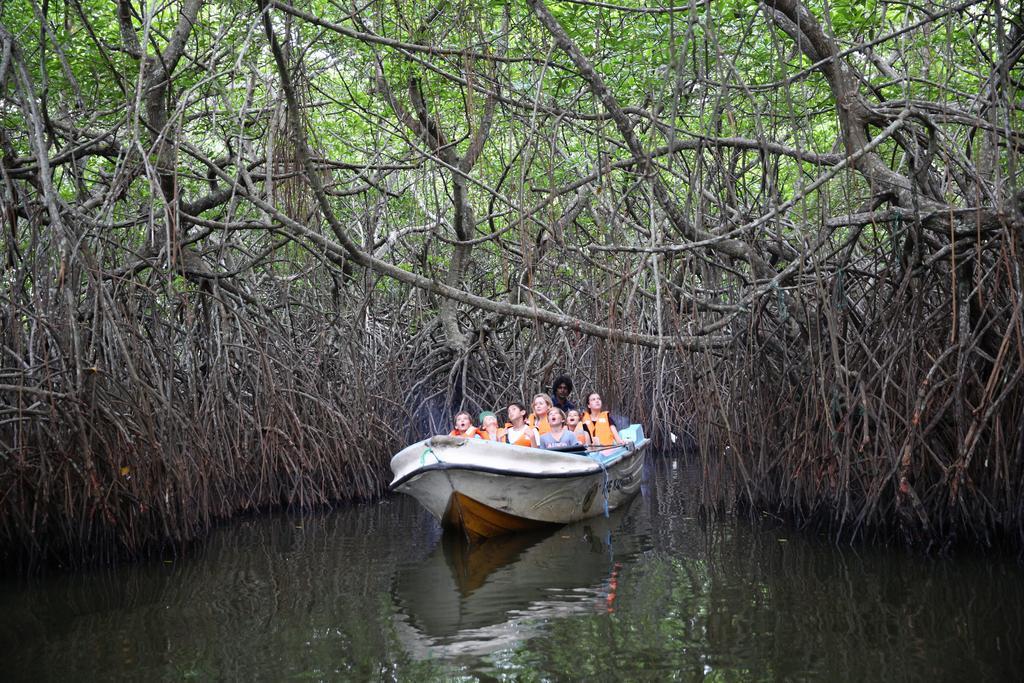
x,y
715,70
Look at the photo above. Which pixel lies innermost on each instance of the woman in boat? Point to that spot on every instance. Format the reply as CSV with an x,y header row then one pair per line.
x,y
489,428
539,418
517,431
598,423
559,437
572,423
464,426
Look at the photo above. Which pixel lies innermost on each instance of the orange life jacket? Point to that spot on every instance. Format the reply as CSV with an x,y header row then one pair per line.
x,y
582,434
522,440
599,428
484,434
469,433
543,427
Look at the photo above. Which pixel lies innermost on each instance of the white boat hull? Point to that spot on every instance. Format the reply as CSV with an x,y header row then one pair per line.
x,y
489,488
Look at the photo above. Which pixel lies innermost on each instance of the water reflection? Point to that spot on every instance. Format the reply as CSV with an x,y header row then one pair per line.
x,y
475,599
375,593
266,598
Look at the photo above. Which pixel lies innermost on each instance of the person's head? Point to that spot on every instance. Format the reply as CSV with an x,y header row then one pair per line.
x,y
516,411
556,417
541,404
594,404
488,420
572,418
562,387
463,421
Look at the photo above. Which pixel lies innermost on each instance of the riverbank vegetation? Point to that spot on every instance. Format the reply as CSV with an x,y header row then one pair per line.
x,y
251,249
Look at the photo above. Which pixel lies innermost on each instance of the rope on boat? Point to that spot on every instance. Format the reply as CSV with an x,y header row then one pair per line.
x,y
447,475
594,451
423,456
604,469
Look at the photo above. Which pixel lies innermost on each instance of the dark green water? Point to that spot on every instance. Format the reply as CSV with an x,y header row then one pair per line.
x,y
374,593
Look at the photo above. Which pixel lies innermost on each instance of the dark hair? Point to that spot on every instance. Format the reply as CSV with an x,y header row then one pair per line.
x,y
561,379
519,405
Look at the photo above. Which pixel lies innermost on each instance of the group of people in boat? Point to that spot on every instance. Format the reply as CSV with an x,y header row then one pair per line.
x,y
554,422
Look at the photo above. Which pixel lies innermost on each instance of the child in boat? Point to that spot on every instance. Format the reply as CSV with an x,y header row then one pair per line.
x,y
598,423
517,431
464,426
572,423
559,436
489,428
539,418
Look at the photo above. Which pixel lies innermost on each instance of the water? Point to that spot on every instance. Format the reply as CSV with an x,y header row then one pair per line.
x,y
375,593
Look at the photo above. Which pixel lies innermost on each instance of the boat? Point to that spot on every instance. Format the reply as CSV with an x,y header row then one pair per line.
x,y
487,488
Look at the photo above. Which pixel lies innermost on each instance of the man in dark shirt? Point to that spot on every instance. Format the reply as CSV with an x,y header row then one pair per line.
x,y
560,390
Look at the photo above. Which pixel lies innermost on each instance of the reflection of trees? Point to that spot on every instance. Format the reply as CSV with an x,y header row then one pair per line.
x,y
867,615
263,599
750,605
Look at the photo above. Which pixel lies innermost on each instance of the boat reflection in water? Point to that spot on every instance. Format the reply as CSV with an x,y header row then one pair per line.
x,y
475,599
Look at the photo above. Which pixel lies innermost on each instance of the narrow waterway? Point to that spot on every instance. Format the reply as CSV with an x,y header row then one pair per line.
x,y
375,593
